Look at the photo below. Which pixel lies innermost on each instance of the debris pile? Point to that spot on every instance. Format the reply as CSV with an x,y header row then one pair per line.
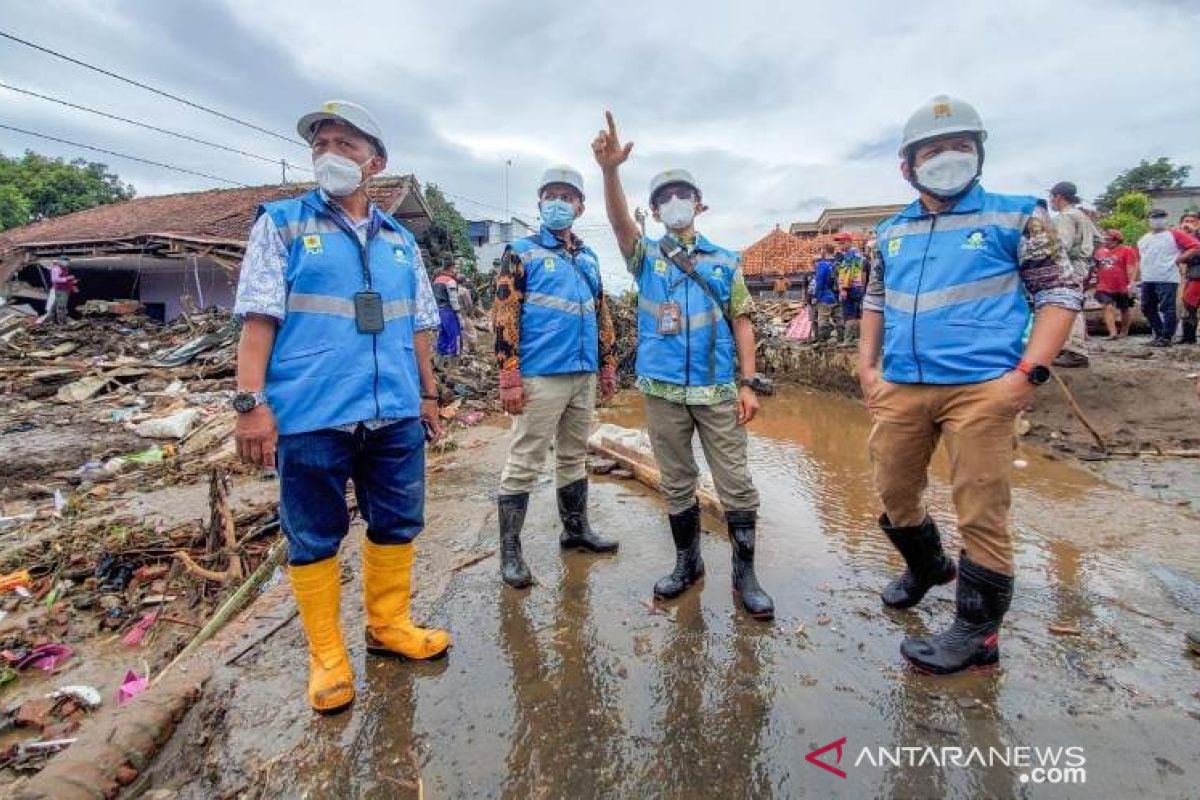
x,y
118,536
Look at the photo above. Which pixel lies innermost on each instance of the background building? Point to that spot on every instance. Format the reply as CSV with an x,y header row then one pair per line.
x,y
1175,201
489,237
853,219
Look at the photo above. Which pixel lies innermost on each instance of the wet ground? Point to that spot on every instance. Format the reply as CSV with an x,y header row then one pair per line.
x,y
580,688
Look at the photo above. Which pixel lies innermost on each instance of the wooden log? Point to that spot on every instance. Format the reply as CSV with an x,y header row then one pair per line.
x,y
628,448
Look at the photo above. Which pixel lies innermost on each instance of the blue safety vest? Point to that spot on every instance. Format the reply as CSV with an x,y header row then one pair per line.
x,y
955,308
702,353
559,333
825,282
324,373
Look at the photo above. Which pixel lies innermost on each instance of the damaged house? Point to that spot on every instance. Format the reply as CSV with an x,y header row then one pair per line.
x,y
170,253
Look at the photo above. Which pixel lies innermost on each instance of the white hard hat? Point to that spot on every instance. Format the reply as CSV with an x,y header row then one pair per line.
x,y
941,116
562,173
352,114
669,177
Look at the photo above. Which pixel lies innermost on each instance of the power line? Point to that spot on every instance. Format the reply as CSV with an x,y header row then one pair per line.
x,y
140,85
122,155
176,134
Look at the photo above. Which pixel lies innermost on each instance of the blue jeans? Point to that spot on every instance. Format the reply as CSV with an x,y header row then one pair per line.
x,y
388,467
1158,304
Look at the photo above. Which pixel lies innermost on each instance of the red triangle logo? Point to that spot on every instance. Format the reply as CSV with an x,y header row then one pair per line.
x,y
814,757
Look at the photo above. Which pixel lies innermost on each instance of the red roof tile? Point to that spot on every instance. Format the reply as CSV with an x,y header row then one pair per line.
x,y
214,214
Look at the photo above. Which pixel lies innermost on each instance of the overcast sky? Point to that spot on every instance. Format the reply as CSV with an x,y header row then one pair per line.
x,y
778,108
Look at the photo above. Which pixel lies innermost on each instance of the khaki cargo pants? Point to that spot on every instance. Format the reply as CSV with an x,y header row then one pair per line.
x,y
976,424
723,440
558,412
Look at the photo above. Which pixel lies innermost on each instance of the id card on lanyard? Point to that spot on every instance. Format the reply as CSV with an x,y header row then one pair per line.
x,y
670,319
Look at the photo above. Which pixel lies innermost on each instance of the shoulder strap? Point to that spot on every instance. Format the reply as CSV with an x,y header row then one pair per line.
x,y
672,250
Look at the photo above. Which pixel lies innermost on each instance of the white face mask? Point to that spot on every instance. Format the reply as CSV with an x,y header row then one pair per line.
x,y
677,213
947,174
1158,223
337,175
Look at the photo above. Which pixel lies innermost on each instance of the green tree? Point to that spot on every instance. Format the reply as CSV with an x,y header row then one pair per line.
x,y
14,207
37,187
448,235
1160,174
1130,217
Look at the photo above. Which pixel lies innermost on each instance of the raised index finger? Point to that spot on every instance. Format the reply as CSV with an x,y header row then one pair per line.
x,y
612,125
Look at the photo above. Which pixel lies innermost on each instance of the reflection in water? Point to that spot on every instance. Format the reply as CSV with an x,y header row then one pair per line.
x,y
715,706
567,734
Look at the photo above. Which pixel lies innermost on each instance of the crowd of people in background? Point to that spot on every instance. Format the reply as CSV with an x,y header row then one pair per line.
x,y
1160,272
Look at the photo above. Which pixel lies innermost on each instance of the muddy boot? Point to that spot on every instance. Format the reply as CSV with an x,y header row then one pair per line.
x,y
689,568
387,594
928,564
1189,333
973,639
511,509
318,592
577,533
757,603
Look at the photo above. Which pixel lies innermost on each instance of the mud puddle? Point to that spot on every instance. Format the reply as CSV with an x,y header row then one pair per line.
x,y
580,688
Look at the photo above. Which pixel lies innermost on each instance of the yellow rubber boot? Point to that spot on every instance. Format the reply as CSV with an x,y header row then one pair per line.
x,y
387,585
318,591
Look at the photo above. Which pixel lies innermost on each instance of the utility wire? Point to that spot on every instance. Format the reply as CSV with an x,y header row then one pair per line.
x,y
140,85
148,126
122,155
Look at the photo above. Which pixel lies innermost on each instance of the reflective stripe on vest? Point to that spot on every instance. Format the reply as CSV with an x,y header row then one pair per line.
x,y
963,293
709,316
341,307
561,304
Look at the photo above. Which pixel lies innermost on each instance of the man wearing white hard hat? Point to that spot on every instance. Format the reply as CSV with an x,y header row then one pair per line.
x,y
554,335
947,308
694,337
335,381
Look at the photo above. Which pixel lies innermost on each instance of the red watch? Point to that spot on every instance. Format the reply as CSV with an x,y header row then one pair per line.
x,y
1036,373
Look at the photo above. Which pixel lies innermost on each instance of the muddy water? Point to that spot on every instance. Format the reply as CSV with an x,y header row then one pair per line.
x,y
580,688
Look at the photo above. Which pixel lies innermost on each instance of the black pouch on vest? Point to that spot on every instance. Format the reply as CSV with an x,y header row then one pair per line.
x,y
368,312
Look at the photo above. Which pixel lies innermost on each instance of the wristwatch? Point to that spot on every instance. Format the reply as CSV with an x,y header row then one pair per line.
x,y
1037,374
244,402
749,383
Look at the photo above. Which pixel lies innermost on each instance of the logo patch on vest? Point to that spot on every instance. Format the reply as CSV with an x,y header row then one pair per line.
x,y
399,255
660,267
974,241
312,244
894,246
548,264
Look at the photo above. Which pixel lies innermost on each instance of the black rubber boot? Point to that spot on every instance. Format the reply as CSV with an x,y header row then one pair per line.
x,y
689,568
757,603
511,508
928,564
1189,333
577,534
973,639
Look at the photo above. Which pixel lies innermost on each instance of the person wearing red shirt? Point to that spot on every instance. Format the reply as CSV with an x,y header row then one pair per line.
x,y
1117,270
1190,222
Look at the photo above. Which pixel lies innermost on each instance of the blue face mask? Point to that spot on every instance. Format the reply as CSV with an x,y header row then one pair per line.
x,y
557,214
